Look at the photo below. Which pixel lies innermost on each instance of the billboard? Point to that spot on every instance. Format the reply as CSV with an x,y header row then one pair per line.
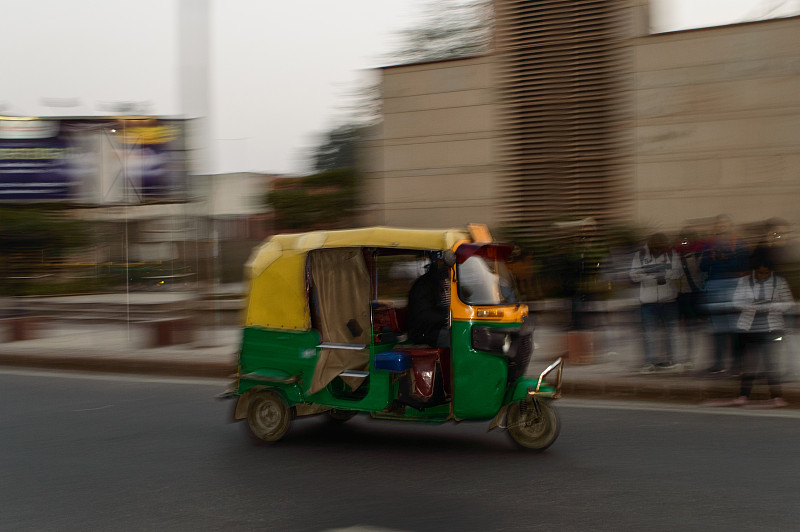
x,y
92,160
35,161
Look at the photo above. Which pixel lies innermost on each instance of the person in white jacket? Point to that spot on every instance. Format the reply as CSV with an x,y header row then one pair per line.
x,y
762,297
656,268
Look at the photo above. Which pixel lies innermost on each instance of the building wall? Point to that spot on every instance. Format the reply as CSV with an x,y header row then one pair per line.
x,y
710,120
431,162
717,124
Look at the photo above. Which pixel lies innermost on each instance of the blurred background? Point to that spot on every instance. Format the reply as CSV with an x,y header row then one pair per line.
x,y
146,148
635,152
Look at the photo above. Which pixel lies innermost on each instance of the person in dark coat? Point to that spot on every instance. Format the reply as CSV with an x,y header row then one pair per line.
x,y
429,307
723,261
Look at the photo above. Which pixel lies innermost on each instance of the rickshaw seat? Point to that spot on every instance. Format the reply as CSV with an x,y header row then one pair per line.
x,y
415,350
423,367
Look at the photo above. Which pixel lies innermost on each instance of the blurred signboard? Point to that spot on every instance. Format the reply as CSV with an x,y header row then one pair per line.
x,y
34,161
92,160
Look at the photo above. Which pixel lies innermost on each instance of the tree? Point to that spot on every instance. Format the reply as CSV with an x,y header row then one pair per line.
x,y
31,240
327,200
452,29
339,150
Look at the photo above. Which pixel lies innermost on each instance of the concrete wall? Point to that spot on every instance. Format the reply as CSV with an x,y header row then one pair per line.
x,y
714,126
431,162
717,124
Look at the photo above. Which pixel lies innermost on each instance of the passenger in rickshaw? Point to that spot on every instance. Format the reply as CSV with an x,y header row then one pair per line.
x,y
429,331
429,305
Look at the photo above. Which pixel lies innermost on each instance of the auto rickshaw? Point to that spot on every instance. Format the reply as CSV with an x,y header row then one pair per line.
x,y
326,332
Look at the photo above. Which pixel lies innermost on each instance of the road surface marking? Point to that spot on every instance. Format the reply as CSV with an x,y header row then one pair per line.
x,y
92,409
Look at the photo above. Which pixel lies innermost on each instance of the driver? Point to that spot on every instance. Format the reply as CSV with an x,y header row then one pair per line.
x,y
429,305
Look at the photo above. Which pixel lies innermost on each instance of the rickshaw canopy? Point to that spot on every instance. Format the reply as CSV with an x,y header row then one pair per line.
x,y
276,269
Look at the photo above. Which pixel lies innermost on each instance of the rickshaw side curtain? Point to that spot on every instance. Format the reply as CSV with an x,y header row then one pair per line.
x,y
341,304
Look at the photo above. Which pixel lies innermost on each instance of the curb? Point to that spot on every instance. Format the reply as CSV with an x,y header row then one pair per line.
x,y
690,391
115,365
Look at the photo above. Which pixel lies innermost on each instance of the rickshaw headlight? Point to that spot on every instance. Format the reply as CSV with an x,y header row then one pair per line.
x,y
493,340
506,344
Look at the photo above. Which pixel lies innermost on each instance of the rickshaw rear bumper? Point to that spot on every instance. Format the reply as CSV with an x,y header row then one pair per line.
x,y
546,386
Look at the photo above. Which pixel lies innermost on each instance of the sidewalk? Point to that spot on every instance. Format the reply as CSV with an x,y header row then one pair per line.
x,y
125,348
612,371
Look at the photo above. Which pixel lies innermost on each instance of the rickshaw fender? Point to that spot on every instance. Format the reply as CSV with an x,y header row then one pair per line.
x,y
291,394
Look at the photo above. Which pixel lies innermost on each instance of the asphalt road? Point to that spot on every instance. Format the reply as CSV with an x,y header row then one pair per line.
x,y
95,452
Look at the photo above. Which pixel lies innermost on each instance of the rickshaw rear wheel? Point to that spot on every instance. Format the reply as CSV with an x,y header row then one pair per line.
x,y
530,429
268,416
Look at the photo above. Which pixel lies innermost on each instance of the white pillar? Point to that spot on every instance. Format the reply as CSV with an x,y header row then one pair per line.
x,y
194,92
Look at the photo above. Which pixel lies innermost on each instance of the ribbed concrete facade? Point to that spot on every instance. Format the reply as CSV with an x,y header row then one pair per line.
x,y
562,72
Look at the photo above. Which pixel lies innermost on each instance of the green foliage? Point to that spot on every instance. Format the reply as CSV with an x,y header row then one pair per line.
x,y
556,262
32,240
55,287
40,230
339,150
327,200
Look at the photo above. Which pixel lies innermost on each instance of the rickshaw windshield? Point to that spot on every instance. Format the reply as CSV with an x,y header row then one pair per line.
x,y
483,278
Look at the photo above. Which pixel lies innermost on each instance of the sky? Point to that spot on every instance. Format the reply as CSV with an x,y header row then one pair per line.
x,y
281,72
673,15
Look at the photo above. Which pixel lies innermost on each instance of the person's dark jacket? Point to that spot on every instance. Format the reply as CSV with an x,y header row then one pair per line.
x,y
426,316
725,258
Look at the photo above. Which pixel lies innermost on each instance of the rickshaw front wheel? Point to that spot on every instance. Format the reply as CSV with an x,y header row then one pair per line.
x,y
532,429
268,416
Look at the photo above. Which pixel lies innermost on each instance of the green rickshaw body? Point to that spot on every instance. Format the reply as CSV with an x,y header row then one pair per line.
x,y
479,377
325,331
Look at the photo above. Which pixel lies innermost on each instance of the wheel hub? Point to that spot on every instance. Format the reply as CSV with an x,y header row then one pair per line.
x,y
269,415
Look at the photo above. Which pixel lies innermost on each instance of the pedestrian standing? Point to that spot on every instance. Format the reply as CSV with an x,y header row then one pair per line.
x,y
656,269
724,261
785,255
762,297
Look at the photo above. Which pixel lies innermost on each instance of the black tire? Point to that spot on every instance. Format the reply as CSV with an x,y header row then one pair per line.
x,y
530,431
341,416
268,416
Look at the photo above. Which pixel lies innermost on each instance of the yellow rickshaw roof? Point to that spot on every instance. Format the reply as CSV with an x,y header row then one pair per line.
x,y
277,298
385,237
